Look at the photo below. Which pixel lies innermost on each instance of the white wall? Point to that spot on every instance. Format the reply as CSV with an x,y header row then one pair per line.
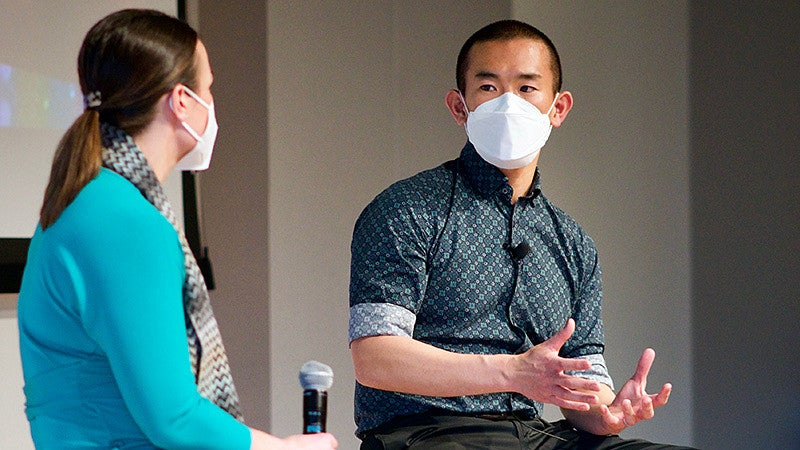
x,y
40,97
37,102
14,431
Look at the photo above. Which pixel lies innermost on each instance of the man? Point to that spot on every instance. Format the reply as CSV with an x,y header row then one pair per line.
x,y
473,299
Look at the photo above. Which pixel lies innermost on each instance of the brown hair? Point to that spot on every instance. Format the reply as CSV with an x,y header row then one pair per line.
x,y
127,61
501,31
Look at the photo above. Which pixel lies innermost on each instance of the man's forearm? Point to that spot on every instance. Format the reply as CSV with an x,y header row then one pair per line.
x,y
402,364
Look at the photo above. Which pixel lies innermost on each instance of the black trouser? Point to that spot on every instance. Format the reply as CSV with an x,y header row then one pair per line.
x,y
452,432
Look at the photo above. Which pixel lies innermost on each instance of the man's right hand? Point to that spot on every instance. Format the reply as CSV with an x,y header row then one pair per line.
x,y
539,374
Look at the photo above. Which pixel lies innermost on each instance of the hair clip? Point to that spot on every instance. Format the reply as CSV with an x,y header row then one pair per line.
x,y
92,100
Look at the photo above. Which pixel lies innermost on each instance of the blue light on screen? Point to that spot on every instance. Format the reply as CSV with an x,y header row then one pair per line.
x,y
33,101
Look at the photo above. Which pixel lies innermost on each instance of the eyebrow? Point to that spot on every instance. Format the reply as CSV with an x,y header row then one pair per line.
x,y
492,75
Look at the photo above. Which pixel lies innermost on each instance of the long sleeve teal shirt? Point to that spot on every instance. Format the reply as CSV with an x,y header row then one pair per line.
x,y
102,336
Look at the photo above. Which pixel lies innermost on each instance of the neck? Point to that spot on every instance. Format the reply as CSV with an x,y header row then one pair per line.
x,y
156,148
520,179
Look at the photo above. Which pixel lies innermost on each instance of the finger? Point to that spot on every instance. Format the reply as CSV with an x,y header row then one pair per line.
x,y
629,415
609,418
643,368
573,399
579,384
573,364
557,340
627,409
570,404
578,396
647,411
662,397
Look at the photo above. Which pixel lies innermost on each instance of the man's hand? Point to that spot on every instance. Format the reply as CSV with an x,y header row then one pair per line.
x,y
539,374
631,405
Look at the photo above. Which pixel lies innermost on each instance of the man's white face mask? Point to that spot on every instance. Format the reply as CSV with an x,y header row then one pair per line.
x,y
508,131
199,158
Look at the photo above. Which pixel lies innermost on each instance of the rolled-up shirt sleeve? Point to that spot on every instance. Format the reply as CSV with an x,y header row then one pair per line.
x,y
376,319
597,372
388,261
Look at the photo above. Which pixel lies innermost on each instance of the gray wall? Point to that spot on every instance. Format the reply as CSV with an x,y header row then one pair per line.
x,y
234,194
688,184
745,130
620,166
352,99
356,101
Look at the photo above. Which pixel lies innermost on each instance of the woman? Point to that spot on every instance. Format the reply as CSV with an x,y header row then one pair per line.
x,y
119,345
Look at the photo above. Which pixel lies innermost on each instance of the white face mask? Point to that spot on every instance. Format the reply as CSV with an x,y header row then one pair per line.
x,y
508,132
199,157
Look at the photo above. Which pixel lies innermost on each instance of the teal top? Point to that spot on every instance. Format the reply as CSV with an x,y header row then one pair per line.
x,y
102,336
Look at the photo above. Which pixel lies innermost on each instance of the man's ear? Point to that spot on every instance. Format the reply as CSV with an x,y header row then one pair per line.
x,y
456,106
561,108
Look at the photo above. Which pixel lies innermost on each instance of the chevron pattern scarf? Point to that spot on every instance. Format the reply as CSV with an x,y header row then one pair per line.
x,y
207,354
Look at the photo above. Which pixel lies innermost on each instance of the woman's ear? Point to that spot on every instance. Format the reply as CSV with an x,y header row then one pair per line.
x,y
177,102
455,103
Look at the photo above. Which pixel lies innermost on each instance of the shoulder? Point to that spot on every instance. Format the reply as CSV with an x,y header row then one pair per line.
x,y
109,202
110,213
418,195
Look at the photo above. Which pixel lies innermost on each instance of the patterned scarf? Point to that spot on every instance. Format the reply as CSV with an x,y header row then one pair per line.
x,y
207,354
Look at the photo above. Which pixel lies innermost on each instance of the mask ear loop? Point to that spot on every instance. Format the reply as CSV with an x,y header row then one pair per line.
x,y
197,97
553,105
464,101
183,122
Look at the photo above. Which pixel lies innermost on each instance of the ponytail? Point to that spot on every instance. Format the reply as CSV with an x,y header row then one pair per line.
x,y
132,57
76,162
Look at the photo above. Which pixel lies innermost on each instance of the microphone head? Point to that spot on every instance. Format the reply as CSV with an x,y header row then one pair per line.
x,y
521,250
316,376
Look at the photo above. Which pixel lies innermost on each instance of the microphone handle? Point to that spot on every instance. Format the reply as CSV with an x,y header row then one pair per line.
x,y
315,411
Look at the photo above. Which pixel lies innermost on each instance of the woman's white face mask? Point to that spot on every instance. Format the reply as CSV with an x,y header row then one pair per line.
x,y
508,131
199,158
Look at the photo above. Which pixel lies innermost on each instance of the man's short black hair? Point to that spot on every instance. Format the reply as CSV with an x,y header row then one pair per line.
x,y
502,31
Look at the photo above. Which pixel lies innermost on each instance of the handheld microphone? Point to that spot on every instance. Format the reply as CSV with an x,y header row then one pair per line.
x,y
518,251
315,378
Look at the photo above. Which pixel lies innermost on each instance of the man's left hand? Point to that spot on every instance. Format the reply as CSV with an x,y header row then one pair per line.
x,y
632,403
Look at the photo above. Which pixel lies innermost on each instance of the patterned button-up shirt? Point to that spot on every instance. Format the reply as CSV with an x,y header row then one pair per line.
x,y
433,259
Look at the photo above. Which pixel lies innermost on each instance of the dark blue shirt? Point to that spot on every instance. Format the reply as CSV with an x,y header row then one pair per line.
x,y
433,258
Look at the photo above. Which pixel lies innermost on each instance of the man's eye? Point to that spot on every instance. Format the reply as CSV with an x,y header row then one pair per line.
x,y
488,88
527,89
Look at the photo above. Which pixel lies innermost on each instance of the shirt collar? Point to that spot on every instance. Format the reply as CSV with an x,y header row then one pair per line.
x,y
488,179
